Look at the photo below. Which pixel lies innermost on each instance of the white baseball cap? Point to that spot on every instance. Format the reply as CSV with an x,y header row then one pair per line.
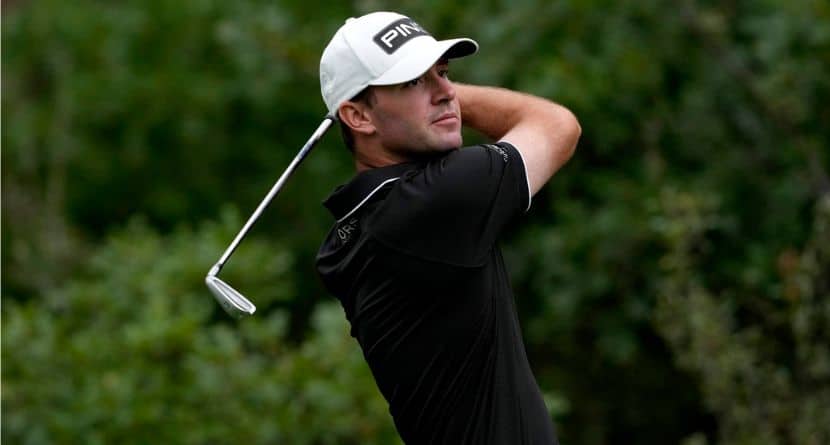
x,y
381,48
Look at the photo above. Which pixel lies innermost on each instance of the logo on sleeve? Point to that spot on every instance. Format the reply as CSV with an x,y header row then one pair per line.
x,y
397,34
499,150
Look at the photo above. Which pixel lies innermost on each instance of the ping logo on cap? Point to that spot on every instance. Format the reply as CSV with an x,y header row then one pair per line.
x,y
397,33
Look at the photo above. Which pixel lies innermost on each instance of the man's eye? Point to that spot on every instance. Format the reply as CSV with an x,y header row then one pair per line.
x,y
444,73
413,82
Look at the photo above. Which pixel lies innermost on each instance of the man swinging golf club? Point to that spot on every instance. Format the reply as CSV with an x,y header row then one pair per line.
x,y
413,254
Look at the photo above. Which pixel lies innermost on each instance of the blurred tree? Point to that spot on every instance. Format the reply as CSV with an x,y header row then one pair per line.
x,y
130,351
764,363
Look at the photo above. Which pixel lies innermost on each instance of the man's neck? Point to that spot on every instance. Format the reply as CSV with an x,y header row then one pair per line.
x,y
376,157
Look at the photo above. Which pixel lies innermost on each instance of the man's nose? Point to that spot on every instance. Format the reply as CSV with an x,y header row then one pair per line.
x,y
442,88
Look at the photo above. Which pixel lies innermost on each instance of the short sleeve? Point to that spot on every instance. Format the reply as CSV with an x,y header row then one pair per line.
x,y
454,209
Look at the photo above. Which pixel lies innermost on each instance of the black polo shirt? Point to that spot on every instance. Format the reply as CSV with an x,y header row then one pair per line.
x,y
413,260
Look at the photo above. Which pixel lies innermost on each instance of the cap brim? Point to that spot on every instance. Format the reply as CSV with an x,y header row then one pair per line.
x,y
423,54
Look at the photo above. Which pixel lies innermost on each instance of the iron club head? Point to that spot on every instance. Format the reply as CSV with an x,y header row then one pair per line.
x,y
231,301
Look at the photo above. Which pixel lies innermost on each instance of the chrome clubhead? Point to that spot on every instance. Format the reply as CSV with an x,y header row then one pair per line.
x,y
231,301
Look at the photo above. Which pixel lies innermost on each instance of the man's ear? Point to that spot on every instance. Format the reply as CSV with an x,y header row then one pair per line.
x,y
357,117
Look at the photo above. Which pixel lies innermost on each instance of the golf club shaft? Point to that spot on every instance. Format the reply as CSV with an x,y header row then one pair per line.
x,y
321,130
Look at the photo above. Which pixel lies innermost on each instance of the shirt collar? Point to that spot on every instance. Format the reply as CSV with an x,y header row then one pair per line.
x,y
347,198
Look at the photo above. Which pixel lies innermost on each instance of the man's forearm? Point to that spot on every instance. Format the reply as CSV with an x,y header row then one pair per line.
x,y
495,111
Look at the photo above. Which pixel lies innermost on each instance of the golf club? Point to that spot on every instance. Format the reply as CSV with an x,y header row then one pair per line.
x,y
233,302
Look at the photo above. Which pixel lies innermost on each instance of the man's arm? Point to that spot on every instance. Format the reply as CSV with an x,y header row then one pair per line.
x,y
545,133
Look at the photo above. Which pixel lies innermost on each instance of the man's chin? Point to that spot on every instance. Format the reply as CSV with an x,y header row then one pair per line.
x,y
435,147
435,151
450,143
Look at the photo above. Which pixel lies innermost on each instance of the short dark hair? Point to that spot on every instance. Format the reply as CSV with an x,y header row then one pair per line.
x,y
364,96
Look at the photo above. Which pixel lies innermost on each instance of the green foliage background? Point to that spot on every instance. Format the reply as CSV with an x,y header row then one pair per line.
x,y
672,280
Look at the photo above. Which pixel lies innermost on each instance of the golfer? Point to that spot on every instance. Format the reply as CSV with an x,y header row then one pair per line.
x,y
413,254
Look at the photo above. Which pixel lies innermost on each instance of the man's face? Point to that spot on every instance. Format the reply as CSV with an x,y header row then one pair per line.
x,y
418,117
